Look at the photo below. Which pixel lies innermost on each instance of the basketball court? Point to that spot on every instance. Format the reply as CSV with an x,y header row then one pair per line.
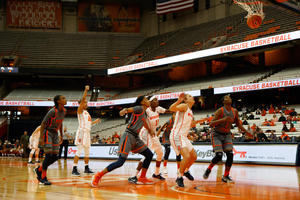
x,y
252,182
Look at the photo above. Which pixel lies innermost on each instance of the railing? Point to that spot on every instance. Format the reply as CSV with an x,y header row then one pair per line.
x,y
284,77
3,120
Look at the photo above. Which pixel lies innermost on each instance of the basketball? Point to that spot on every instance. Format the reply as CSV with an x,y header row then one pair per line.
x,y
254,21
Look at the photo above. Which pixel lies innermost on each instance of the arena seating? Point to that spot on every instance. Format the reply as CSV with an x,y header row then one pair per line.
x,y
288,73
75,50
103,50
8,41
285,20
184,41
198,115
23,94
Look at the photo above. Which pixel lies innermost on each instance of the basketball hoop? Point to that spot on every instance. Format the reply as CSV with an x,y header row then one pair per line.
x,y
253,7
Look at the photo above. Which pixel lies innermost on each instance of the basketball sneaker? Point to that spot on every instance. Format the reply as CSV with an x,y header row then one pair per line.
x,y
132,180
38,173
227,179
37,162
30,163
206,173
179,182
188,175
95,180
75,171
165,171
144,181
45,181
158,177
87,170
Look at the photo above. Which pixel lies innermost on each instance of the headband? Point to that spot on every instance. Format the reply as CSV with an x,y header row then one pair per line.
x,y
153,97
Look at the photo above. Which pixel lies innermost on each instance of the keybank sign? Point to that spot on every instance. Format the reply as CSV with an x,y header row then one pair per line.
x,y
260,154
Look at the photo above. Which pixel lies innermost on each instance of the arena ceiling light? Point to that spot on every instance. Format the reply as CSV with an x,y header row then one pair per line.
x,y
208,52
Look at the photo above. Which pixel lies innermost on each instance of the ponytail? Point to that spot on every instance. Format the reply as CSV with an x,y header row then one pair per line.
x,y
56,98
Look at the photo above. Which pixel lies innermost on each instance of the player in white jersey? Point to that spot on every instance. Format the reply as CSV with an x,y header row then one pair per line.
x,y
153,143
33,145
83,138
178,137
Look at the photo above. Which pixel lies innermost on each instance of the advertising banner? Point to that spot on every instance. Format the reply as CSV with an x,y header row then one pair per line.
x,y
33,15
108,17
260,154
194,93
208,52
258,86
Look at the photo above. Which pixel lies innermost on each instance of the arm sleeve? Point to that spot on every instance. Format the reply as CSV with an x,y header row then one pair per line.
x,y
138,109
50,114
161,109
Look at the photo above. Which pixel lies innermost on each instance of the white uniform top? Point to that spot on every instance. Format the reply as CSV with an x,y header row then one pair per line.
x,y
182,123
34,140
152,121
153,118
83,133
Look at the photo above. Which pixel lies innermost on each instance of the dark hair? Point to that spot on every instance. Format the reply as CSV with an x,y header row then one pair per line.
x,y
149,97
80,101
139,100
222,99
56,98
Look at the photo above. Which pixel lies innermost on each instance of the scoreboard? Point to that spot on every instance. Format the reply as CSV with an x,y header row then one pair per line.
x,y
9,69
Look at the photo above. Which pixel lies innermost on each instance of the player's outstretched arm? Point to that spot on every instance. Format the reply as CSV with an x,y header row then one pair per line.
x,y
126,110
80,107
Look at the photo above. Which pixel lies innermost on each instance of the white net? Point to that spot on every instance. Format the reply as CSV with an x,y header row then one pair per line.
x,y
253,7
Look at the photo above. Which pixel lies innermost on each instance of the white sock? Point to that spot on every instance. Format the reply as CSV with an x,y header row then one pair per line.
x,y
186,170
157,170
74,164
135,173
29,160
180,175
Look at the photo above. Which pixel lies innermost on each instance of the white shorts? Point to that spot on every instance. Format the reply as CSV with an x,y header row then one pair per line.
x,y
151,142
34,145
179,142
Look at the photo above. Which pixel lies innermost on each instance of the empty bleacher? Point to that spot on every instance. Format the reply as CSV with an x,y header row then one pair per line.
x,y
285,20
8,40
24,94
69,50
288,73
200,36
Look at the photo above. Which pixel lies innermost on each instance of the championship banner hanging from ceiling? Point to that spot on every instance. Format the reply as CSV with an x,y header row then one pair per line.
x,y
39,15
108,18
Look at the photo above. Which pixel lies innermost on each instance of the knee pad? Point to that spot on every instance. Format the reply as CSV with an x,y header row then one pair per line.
x,y
32,151
117,164
167,152
229,160
178,158
160,154
47,161
217,158
148,157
